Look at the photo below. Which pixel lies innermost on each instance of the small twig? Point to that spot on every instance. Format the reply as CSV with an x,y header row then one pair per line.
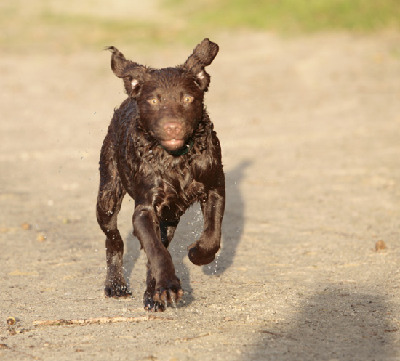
x,y
185,339
98,320
271,333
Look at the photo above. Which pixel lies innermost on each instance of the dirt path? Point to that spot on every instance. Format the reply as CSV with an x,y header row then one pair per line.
x,y
310,136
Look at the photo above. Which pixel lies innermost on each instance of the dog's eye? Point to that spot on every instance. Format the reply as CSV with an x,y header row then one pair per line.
x,y
187,99
153,101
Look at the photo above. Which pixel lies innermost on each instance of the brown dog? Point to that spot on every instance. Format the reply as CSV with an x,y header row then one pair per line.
x,y
162,150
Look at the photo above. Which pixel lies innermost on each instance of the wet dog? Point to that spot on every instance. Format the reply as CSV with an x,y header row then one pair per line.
x,y
162,150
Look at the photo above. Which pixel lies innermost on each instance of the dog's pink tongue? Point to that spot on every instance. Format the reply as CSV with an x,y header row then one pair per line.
x,y
173,144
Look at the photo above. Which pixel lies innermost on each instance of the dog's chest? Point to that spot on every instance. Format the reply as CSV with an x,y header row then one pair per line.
x,y
175,194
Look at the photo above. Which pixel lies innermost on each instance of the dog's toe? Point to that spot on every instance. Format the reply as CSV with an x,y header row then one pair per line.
x,y
161,299
117,291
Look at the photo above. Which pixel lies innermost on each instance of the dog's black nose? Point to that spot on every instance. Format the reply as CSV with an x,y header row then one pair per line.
x,y
172,129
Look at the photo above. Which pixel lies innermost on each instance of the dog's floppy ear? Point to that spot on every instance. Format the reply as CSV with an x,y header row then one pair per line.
x,y
132,73
202,55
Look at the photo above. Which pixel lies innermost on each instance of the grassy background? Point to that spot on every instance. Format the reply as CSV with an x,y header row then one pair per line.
x,y
41,26
76,25
292,15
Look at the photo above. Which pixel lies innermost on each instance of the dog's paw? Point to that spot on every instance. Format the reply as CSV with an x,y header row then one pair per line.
x,y
161,298
200,256
116,290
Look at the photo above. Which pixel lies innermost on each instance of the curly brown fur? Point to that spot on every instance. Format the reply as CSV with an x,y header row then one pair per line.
x,y
162,150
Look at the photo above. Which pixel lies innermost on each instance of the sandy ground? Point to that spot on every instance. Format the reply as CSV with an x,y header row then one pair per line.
x,y
310,135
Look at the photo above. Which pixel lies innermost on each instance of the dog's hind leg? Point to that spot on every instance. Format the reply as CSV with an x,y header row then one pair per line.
x,y
109,200
167,230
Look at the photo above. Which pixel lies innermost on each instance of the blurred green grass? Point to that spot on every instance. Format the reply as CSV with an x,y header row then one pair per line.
x,y
291,16
46,25
43,29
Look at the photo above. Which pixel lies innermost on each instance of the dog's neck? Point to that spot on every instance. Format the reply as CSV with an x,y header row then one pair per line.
x,y
181,151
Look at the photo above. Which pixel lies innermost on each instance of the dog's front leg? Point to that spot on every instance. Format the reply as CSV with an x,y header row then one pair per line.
x,y
203,251
166,288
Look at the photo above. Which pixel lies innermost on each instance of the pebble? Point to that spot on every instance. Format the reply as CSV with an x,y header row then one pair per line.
x,y
26,226
41,237
380,246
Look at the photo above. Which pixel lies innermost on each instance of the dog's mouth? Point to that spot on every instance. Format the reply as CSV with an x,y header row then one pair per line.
x,y
172,144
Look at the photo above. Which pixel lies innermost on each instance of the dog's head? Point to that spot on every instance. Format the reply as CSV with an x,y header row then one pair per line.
x,y
170,100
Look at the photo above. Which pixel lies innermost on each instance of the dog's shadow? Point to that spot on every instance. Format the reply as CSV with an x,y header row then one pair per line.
x,y
233,224
189,230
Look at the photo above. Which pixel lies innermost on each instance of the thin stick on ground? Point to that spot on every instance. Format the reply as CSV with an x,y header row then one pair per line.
x,y
98,320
